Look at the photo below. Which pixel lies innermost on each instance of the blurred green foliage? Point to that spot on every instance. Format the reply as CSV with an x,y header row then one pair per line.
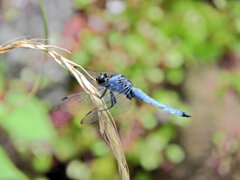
x,y
35,127
7,170
154,44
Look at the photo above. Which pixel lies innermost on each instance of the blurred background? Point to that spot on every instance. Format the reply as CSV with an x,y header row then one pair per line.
x,y
185,54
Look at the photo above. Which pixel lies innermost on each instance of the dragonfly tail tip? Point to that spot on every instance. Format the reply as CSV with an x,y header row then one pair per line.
x,y
186,115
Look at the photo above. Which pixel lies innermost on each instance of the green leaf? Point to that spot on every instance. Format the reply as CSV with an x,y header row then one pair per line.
x,y
155,75
103,168
81,57
175,76
78,170
155,14
42,162
167,131
82,3
135,45
8,170
174,153
28,122
94,44
65,148
115,38
141,175
100,149
148,120
174,59
150,159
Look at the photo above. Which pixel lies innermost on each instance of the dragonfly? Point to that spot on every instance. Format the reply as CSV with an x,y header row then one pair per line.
x,y
117,93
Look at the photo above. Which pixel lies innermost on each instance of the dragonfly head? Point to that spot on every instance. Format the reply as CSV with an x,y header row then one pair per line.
x,y
101,78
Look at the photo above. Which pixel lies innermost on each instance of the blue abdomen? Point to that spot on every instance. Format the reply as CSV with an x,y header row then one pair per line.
x,y
139,94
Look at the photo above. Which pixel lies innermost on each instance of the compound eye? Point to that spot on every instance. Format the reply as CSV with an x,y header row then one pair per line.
x,y
105,75
101,78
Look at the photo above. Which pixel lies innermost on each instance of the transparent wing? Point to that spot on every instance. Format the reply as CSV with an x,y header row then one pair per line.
x,y
76,102
91,116
121,106
81,104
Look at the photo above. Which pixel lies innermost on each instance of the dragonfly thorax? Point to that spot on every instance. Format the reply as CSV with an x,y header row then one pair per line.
x,y
120,84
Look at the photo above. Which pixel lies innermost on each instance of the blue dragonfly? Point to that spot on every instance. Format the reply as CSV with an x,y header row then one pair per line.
x,y
116,91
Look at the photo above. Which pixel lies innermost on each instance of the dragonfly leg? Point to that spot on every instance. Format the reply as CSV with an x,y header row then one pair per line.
x,y
103,94
113,98
113,101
